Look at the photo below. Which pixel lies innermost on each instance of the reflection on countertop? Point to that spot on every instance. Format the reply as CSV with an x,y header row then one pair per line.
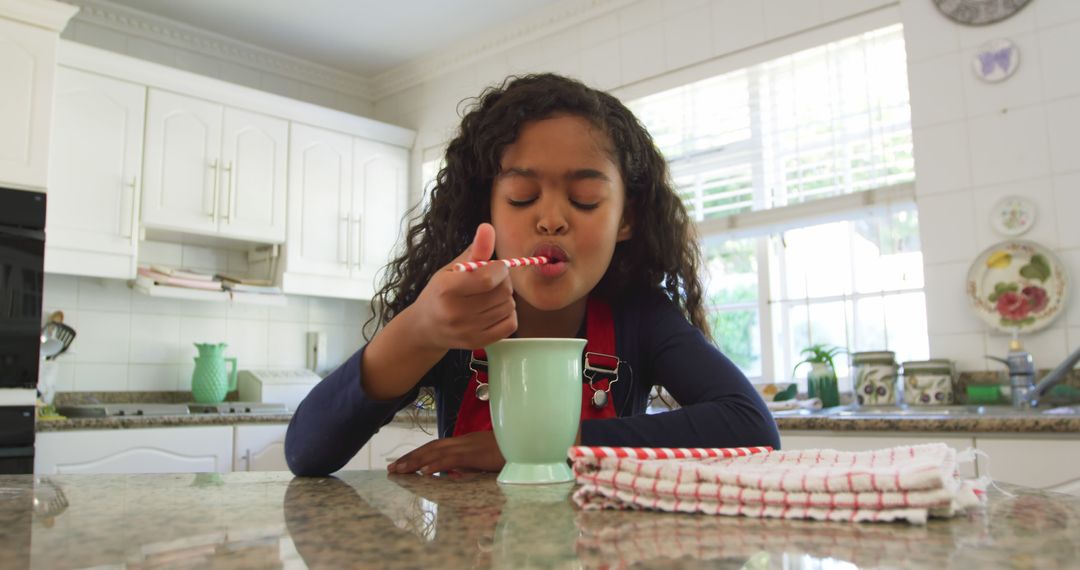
x,y
371,519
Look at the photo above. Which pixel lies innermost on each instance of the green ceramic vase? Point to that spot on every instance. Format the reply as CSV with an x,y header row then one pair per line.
x,y
210,382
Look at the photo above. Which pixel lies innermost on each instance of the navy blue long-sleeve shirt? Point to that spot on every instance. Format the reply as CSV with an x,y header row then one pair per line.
x,y
656,344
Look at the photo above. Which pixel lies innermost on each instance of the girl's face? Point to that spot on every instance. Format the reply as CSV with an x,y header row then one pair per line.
x,y
558,194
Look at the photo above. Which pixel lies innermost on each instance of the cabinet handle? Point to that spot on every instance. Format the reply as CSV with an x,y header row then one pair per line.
x,y
134,185
228,193
247,460
359,240
348,232
214,202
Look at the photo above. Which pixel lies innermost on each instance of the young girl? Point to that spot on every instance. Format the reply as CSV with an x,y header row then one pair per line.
x,y
542,166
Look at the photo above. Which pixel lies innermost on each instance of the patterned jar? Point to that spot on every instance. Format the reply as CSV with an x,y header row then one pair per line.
x,y
928,382
875,378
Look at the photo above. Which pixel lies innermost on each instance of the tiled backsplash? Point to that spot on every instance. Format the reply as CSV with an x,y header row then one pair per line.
x,y
129,341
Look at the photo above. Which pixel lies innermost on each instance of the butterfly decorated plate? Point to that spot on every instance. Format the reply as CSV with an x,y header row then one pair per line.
x,y
1017,286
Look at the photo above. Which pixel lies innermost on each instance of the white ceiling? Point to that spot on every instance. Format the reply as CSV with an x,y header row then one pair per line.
x,y
364,37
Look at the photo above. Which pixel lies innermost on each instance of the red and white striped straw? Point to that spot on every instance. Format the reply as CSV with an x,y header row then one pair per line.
x,y
512,262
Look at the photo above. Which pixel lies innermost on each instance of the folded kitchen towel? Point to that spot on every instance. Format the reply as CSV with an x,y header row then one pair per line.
x,y
908,483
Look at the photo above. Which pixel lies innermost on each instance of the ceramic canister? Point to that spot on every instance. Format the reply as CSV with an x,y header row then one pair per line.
x,y
875,378
928,382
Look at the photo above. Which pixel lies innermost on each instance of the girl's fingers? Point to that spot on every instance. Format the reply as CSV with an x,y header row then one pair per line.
x,y
483,280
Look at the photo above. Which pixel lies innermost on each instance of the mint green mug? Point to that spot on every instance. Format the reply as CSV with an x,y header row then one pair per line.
x,y
535,388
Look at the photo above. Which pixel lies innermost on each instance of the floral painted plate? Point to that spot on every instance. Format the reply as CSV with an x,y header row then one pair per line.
x,y
1017,286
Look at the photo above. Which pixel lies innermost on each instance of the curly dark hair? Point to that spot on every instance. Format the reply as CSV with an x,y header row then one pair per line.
x,y
662,253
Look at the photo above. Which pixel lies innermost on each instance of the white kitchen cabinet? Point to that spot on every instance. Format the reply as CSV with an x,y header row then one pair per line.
x,y
28,39
1043,463
346,199
380,193
262,448
214,170
866,441
95,167
391,442
320,206
151,450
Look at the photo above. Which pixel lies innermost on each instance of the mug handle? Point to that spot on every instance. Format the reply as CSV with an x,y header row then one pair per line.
x,y
232,374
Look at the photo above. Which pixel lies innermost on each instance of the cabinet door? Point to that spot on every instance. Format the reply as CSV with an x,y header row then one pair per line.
x,y
320,187
94,170
254,154
182,166
393,441
380,189
151,450
27,60
1042,463
262,448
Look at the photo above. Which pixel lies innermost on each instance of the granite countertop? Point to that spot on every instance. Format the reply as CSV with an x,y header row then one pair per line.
x,y
1033,423
403,419
1013,423
372,519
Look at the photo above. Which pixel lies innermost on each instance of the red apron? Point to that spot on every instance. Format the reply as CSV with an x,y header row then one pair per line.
x,y
601,370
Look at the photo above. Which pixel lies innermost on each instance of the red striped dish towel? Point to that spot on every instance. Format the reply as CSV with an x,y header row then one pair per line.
x,y
908,483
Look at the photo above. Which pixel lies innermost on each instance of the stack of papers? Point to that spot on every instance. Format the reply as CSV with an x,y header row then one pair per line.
x,y
183,278
243,285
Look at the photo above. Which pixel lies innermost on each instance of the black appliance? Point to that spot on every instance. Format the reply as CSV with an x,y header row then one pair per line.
x,y
22,258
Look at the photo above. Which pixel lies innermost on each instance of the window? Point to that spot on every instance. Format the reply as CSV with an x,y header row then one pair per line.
x,y
799,172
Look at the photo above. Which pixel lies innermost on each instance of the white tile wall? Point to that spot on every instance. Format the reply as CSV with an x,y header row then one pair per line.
x,y
1063,132
1066,205
942,160
947,227
936,90
786,17
127,341
1019,137
688,37
736,25
1008,146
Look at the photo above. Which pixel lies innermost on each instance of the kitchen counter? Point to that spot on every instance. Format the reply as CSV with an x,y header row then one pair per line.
x,y
1033,423
371,519
403,419
786,421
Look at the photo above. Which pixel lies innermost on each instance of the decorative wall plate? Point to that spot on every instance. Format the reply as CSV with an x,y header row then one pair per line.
x,y
1017,286
996,60
1012,215
979,12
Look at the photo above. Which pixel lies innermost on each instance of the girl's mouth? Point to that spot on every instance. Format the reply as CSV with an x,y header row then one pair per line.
x,y
557,259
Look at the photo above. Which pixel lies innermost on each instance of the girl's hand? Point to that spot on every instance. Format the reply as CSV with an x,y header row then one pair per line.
x,y
467,310
473,451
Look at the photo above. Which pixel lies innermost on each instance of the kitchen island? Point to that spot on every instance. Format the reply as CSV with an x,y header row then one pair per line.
x,y
372,519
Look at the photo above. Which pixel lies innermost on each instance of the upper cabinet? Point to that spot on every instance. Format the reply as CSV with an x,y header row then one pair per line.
x,y
95,172
346,199
28,35
320,203
141,149
214,170
380,193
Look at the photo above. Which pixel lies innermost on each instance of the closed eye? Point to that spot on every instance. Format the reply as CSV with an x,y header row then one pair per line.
x,y
520,203
581,206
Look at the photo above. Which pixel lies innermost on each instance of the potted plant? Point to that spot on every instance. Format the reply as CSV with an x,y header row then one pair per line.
x,y
821,381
